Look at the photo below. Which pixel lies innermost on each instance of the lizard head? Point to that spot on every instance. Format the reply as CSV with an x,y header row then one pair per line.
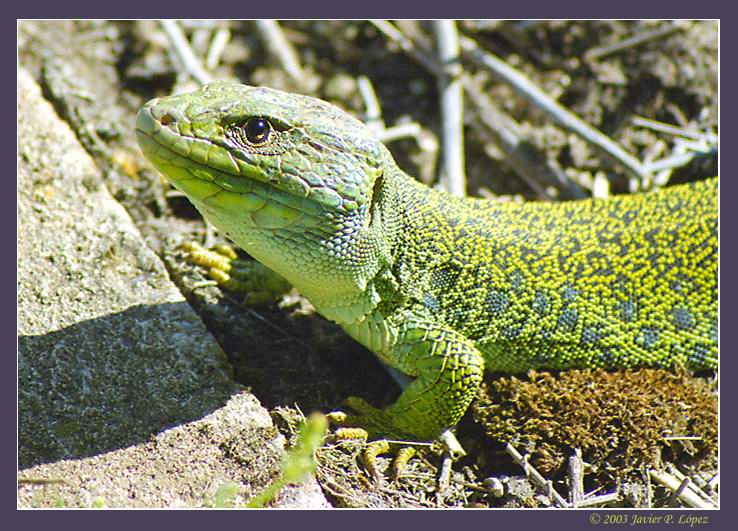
x,y
291,179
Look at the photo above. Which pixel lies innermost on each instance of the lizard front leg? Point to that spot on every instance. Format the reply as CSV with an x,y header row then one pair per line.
x,y
448,370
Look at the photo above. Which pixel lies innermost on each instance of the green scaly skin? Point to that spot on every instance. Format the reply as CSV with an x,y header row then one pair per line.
x,y
441,287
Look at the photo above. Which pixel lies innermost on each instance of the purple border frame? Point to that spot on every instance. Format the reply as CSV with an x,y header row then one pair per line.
x,y
543,519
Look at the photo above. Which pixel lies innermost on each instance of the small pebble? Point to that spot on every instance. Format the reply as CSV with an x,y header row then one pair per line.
x,y
494,486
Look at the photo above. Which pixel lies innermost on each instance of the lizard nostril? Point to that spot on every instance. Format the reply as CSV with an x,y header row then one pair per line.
x,y
166,119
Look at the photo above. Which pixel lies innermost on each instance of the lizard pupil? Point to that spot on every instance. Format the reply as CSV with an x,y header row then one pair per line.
x,y
258,130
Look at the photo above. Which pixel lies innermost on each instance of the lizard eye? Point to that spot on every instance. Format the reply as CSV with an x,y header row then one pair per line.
x,y
257,134
258,130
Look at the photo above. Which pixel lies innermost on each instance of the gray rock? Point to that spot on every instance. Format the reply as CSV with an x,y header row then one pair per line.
x,y
109,351
110,354
184,466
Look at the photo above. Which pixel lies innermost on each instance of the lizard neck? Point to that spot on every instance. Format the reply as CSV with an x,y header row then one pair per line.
x,y
372,250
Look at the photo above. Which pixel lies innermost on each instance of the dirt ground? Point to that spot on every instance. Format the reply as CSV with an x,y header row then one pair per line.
x,y
612,74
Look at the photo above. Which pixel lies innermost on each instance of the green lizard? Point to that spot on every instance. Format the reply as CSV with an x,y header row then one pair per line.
x,y
437,286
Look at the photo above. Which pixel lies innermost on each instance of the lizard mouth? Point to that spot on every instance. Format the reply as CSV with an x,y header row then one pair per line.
x,y
211,178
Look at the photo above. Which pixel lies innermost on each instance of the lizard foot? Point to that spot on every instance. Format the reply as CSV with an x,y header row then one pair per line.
x,y
258,284
375,422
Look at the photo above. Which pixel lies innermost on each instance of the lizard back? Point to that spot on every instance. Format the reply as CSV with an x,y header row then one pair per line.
x,y
614,283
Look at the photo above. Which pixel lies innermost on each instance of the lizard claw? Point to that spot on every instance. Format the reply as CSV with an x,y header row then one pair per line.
x,y
402,453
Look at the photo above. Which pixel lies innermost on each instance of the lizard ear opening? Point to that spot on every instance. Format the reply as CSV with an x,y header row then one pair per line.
x,y
375,197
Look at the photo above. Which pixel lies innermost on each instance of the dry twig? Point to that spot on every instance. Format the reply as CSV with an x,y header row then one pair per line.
x,y
681,490
634,40
217,45
280,48
524,157
452,106
535,476
576,478
560,115
183,52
